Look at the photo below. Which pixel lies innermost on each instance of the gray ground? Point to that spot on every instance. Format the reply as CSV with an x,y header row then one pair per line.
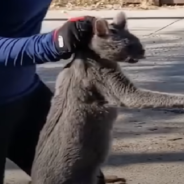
x,y
148,146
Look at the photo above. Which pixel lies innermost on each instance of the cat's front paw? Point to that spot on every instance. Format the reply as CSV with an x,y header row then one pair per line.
x,y
114,179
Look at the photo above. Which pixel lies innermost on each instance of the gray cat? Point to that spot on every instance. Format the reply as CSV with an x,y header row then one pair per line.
x,y
75,140
76,137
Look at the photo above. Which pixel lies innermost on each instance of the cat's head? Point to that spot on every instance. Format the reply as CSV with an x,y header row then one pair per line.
x,y
115,42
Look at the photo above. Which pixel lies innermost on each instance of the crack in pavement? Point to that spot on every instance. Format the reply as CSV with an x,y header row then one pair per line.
x,y
162,28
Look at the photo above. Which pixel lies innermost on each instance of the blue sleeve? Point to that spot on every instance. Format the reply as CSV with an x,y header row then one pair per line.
x,y
36,49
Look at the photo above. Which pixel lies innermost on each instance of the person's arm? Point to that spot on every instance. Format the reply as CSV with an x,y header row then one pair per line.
x,y
29,50
48,47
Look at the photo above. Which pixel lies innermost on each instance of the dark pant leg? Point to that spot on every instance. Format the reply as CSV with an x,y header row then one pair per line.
x,y
10,115
100,178
25,138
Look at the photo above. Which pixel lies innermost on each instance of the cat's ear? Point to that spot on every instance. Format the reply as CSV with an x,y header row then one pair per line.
x,y
120,20
101,27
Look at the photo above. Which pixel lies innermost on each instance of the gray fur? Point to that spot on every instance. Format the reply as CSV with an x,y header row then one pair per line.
x,y
75,146
75,141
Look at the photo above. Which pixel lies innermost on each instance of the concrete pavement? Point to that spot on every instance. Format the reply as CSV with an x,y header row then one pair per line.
x,y
149,21
148,146
131,14
14,175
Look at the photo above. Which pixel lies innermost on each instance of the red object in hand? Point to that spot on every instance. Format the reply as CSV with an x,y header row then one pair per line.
x,y
76,19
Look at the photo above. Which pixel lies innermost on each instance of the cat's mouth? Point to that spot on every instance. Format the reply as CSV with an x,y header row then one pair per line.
x,y
133,60
135,56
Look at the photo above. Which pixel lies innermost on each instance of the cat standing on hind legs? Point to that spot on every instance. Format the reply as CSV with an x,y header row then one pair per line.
x,y
75,140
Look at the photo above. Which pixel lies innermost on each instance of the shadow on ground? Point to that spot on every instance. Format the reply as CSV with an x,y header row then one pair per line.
x,y
130,158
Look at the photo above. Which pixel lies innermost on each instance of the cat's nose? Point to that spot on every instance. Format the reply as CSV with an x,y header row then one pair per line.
x,y
142,52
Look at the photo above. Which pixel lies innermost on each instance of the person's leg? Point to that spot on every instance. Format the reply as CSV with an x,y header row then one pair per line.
x,y
10,115
100,178
25,138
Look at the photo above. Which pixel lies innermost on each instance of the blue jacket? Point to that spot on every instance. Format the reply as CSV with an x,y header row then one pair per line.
x,y
22,47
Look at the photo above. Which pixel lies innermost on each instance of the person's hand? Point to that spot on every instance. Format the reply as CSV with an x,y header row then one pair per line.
x,y
73,35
